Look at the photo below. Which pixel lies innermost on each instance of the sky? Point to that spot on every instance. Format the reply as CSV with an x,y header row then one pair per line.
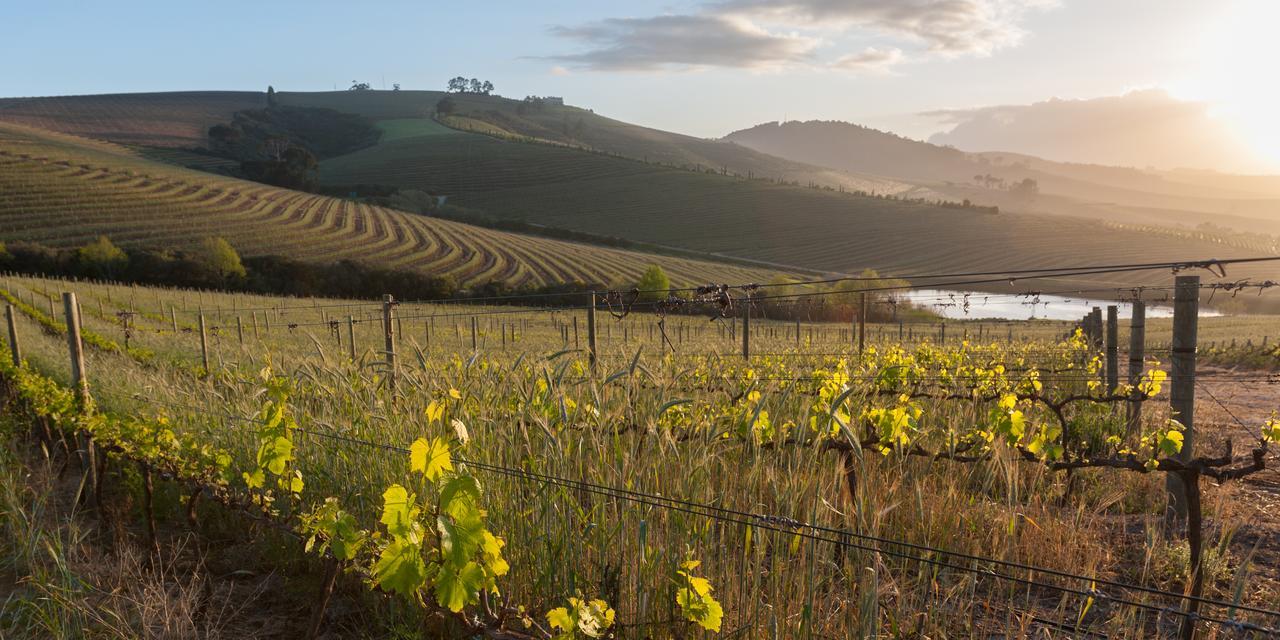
x,y
702,67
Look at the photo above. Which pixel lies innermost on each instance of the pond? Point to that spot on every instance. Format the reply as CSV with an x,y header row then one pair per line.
x,y
976,305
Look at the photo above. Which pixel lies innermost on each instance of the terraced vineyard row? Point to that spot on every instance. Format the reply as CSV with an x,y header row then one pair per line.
x,y
790,225
59,193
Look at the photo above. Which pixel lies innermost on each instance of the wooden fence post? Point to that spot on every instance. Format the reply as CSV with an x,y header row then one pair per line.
x,y
1182,385
240,330
389,337
173,318
76,347
351,337
591,330
1113,348
14,347
1137,360
746,330
204,345
862,323
475,335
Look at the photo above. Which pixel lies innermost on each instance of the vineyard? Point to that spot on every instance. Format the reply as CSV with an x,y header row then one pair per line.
x,y
680,466
61,190
815,229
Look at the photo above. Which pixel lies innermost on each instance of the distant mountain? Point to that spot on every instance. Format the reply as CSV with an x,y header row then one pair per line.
x,y
851,147
1121,194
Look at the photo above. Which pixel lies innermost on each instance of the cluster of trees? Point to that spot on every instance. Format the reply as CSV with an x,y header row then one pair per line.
x,y
1025,187
281,145
470,85
212,262
356,85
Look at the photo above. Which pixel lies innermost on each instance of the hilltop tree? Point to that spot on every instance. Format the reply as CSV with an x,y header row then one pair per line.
x,y
271,96
445,107
102,258
356,85
470,85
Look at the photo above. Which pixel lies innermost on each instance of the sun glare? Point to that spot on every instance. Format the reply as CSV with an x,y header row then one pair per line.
x,y
1236,72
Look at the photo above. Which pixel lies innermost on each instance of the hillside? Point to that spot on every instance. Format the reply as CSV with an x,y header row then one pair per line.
x,y
1117,194
63,190
809,228
176,119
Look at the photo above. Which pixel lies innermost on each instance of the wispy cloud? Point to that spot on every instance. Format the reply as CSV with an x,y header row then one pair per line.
x,y
662,42
945,26
869,59
781,33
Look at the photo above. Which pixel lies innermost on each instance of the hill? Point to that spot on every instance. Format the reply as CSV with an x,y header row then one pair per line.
x,y
175,119
811,228
526,170
1118,194
62,190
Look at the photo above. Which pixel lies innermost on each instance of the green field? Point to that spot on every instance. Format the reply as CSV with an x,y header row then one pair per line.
x,y
61,190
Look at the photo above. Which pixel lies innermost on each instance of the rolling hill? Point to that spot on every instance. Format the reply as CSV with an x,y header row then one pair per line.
x,y
1117,194
63,190
595,178
810,228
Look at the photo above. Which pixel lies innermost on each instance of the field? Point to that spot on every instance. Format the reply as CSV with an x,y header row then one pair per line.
x,y
670,477
812,229
62,190
178,119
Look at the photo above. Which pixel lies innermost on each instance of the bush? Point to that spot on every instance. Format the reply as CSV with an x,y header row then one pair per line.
x,y
102,259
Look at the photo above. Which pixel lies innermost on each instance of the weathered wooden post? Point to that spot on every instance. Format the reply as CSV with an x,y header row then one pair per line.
x,y
204,345
1186,302
592,354
351,337
746,331
862,323
389,337
475,334
75,347
15,349
1113,348
240,330
1137,360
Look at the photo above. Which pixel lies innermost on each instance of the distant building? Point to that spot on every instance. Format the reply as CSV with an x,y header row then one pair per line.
x,y
556,100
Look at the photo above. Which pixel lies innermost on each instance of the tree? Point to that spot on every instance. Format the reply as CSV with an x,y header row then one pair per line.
x,y
486,88
457,85
271,96
220,257
359,86
654,284
475,85
102,258
395,86
445,107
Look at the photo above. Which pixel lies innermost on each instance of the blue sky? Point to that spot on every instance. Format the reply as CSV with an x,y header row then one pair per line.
x,y
878,62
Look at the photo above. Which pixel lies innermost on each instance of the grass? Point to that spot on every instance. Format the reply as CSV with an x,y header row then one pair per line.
x,y
561,541
64,191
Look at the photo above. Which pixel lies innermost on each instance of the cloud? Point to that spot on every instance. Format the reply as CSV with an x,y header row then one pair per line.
x,y
667,41
1138,129
783,33
949,27
870,59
